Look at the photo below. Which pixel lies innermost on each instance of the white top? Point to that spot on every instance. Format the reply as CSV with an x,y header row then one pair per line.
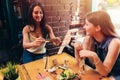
x,y
36,50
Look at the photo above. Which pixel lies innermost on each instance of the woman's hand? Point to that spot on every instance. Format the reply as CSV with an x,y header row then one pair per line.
x,y
78,46
39,41
87,53
57,41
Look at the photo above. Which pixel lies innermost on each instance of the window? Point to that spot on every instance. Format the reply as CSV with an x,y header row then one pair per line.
x,y
112,7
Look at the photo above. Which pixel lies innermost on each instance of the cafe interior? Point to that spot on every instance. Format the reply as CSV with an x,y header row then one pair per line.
x,y
66,17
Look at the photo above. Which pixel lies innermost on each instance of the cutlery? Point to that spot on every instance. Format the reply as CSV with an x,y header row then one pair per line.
x,y
49,40
40,75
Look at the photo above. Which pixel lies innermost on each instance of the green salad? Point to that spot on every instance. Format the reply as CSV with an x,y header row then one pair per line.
x,y
67,74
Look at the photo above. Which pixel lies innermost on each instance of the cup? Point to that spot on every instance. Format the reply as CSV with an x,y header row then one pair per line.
x,y
80,35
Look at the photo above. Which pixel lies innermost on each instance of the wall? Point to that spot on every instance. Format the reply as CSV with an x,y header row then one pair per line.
x,y
60,12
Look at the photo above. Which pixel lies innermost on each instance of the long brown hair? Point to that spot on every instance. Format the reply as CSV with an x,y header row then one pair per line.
x,y
102,19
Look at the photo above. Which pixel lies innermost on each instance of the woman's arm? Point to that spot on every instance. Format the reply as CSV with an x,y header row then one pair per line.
x,y
50,30
79,46
56,40
26,42
105,67
112,55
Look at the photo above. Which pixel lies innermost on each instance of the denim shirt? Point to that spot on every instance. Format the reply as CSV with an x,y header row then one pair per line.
x,y
102,49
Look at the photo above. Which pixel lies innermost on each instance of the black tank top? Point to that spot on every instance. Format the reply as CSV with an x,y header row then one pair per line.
x,y
101,50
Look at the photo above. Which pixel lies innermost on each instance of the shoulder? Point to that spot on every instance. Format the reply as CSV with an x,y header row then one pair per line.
x,y
27,28
48,27
115,41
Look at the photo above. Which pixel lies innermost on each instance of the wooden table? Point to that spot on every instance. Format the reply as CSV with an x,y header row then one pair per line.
x,y
31,70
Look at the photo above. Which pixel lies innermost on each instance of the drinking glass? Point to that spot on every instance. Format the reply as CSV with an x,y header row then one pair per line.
x,y
73,33
80,37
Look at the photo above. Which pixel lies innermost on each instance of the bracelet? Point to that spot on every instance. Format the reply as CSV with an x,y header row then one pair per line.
x,y
97,62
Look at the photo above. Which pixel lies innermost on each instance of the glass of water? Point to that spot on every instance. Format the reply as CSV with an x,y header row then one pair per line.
x,y
80,35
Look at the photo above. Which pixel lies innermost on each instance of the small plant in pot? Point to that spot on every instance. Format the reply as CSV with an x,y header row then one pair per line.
x,y
10,72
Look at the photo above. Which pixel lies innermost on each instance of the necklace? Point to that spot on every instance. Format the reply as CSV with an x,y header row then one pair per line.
x,y
37,32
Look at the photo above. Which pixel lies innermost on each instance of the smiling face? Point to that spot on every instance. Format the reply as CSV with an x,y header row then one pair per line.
x,y
90,28
37,14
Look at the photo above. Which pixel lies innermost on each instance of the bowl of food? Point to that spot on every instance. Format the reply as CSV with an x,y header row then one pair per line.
x,y
68,74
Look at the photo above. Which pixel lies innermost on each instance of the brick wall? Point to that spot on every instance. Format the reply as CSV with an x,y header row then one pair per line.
x,y
59,14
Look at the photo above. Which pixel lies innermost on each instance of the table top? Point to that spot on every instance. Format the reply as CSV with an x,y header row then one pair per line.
x,y
33,69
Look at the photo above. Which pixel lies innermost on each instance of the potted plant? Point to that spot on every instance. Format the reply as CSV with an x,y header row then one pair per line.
x,y
10,72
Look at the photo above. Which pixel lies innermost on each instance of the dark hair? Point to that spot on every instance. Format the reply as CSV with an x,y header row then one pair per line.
x,y
31,20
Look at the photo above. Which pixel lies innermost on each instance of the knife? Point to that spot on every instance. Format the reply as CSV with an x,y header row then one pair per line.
x,y
49,40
